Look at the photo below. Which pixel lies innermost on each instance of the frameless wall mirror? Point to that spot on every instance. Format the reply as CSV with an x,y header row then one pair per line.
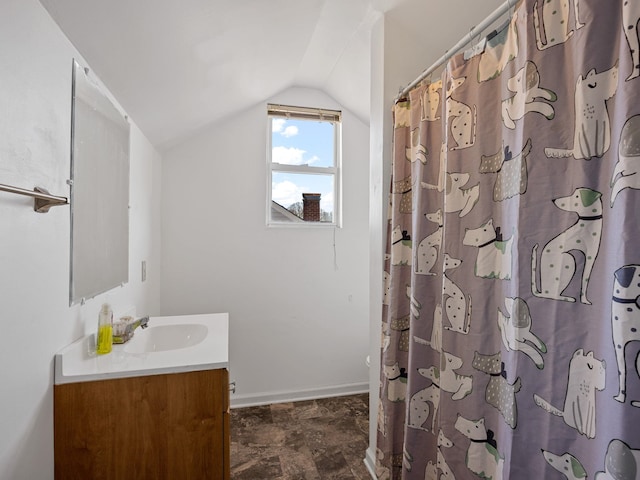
x,y
99,190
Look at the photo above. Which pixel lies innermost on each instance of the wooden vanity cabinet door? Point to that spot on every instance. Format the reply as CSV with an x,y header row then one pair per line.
x,y
162,427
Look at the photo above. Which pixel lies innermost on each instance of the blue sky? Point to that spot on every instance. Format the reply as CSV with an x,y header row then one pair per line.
x,y
300,142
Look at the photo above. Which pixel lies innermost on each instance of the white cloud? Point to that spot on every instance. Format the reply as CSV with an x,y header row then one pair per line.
x,y
278,126
290,131
326,202
285,193
288,155
291,156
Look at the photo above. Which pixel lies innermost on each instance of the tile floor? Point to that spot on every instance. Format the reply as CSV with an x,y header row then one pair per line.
x,y
322,439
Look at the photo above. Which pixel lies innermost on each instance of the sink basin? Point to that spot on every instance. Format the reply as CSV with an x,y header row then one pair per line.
x,y
170,344
167,337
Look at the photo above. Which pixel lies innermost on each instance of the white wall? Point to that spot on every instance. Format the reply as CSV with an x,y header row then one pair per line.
x,y
298,306
378,200
35,318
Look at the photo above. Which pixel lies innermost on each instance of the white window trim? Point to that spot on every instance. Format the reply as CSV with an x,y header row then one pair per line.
x,y
304,113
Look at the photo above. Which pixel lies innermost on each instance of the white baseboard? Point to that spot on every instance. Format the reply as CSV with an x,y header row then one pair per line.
x,y
239,401
370,462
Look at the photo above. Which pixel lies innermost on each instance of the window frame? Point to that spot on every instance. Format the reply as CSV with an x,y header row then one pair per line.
x,y
334,117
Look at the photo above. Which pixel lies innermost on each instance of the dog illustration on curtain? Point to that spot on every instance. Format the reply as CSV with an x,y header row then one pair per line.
x,y
630,19
620,462
436,331
483,457
403,188
457,309
500,49
407,459
400,247
387,288
430,102
382,472
586,375
515,328
456,198
446,377
401,115
626,173
417,151
555,27
401,325
557,264
494,254
419,409
442,172
592,131
382,419
499,393
528,96
396,382
442,466
625,321
414,305
429,247
512,171
431,470
462,117
566,464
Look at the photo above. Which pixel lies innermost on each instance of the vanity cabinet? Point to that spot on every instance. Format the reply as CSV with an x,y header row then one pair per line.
x,y
161,427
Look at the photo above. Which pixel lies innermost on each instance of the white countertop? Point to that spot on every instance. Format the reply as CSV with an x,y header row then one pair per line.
x,y
78,362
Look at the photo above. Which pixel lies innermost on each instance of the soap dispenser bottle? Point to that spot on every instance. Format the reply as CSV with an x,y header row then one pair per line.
x,y
105,330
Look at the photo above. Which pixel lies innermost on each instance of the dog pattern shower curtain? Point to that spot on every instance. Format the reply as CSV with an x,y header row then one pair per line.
x,y
511,316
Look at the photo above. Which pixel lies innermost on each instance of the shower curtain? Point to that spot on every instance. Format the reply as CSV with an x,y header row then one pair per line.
x,y
511,316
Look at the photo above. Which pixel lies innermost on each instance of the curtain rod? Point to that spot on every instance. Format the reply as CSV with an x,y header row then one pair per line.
x,y
468,38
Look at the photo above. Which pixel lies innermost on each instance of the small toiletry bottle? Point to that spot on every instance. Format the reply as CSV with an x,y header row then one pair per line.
x,y
105,330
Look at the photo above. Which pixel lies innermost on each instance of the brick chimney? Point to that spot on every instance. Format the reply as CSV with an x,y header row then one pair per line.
x,y
311,207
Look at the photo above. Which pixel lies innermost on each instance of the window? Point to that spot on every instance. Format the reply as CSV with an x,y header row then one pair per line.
x,y
304,166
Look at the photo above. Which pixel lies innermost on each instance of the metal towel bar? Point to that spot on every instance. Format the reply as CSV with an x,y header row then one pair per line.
x,y
42,199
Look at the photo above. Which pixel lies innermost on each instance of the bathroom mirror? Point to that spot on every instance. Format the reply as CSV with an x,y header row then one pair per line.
x,y
99,190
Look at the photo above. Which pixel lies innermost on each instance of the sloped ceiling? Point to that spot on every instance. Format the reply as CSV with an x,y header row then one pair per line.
x,y
179,65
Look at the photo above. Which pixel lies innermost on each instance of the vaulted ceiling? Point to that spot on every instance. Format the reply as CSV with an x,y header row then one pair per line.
x,y
178,65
